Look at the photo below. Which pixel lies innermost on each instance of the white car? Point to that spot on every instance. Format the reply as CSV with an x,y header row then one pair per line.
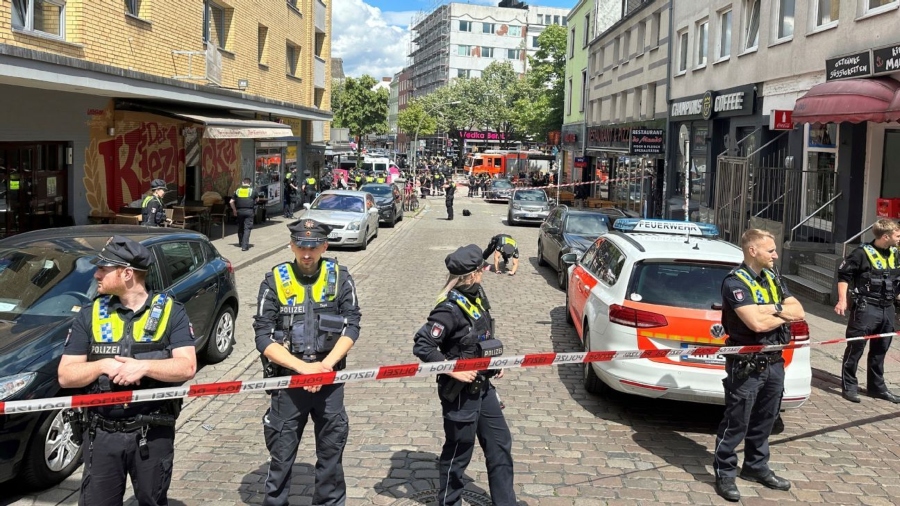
x,y
352,216
656,285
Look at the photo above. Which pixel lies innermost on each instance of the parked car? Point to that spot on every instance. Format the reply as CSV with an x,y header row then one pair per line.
x,y
614,213
498,190
568,230
656,285
45,279
531,205
388,199
352,215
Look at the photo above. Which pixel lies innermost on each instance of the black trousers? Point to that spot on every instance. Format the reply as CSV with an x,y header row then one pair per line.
x,y
871,320
245,225
288,207
283,426
449,204
112,456
465,418
751,407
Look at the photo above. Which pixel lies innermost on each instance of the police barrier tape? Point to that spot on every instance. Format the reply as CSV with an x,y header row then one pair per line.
x,y
392,372
564,185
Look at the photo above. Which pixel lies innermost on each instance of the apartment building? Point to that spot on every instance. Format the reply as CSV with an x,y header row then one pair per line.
x,y
108,95
580,32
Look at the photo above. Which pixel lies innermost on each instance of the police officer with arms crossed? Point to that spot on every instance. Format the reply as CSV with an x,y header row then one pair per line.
x,y
874,270
153,212
307,320
242,204
503,245
755,310
128,339
460,326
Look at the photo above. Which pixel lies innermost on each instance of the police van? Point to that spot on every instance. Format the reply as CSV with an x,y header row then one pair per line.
x,y
656,285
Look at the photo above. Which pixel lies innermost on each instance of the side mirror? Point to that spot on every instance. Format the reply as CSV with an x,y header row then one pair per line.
x,y
307,205
373,210
569,258
552,230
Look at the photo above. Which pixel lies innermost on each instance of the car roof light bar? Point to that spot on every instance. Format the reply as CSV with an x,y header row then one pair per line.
x,y
671,227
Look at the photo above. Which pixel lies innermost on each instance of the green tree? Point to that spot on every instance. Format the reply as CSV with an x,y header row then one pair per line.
x,y
502,93
415,118
362,110
546,79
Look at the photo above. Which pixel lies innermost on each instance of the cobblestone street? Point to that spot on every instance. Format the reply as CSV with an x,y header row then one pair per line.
x,y
570,448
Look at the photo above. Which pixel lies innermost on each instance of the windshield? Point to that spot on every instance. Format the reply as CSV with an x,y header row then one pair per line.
x,y
531,195
501,183
377,190
335,202
591,225
679,284
44,282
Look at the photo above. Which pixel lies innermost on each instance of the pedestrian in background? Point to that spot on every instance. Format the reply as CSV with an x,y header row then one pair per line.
x,y
756,309
459,327
873,269
307,320
153,212
243,203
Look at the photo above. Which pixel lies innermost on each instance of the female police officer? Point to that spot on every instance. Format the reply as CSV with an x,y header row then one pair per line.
x,y
460,326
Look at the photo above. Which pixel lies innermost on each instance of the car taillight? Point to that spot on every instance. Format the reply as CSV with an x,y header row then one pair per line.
x,y
635,317
800,331
229,266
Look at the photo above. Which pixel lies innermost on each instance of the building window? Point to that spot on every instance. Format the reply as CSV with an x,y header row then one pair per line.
x,y
464,50
292,57
44,16
569,96
462,72
133,7
534,41
487,52
465,26
654,29
724,34
572,43
515,31
626,47
488,28
214,29
875,5
294,4
826,12
513,54
564,19
702,42
615,59
587,30
584,90
786,10
683,51
556,20
641,38
751,24
263,42
651,100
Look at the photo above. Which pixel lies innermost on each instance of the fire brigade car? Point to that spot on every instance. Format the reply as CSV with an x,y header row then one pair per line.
x,y
656,284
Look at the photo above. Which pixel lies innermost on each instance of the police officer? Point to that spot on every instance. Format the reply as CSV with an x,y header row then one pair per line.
x,y
450,192
308,187
306,322
370,177
460,326
242,204
358,180
153,212
127,339
379,178
874,271
755,308
503,245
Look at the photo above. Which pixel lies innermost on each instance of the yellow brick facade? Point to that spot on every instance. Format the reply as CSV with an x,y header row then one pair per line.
x,y
100,31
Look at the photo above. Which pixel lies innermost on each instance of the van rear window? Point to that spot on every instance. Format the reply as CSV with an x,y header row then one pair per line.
x,y
679,284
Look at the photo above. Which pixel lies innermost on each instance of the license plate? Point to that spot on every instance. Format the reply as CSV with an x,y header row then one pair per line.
x,y
334,235
702,359
531,215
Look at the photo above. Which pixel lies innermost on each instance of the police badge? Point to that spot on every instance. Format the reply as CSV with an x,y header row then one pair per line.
x,y
738,295
437,330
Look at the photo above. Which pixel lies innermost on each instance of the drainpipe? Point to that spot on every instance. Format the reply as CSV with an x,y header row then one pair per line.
x,y
665,206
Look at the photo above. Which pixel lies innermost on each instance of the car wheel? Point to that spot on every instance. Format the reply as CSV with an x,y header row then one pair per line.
x,y
541,261
375,235
400,213
509,220
393,222
592,383
365,241
221,337
52,455
569,319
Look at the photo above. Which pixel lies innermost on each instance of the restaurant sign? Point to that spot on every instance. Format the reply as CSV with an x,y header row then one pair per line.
x,y
647,141
886,59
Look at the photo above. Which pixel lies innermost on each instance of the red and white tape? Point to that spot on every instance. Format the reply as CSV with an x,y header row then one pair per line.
x,y
391,372
564,185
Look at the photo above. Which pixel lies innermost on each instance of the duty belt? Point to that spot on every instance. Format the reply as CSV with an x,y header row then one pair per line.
x,y
131,424
876,301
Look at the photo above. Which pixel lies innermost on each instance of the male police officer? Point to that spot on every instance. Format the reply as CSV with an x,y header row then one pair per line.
x,y
128,339
153,213
755,309
503,245
242,204
290,190
874,271
307,321
450,189
308,187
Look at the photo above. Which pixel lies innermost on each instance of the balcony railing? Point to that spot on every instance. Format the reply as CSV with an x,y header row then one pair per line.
x,y
320,10
319,75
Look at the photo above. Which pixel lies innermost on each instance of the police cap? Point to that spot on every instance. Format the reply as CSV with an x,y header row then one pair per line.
x,y
464,260
306,172
124,252
308,233
157,184
507,249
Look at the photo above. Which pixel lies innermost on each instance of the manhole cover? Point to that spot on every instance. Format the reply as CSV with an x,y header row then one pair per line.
x,y
429,498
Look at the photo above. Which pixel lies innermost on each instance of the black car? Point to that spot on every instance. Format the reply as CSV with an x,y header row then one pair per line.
x,y
499,190
614,213
389,199
568,230
45,279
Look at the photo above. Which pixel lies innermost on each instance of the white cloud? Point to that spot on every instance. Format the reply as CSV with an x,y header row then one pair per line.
x,y
369,41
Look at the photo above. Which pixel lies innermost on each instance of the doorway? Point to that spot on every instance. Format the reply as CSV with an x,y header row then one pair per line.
x,y
33,187
890,168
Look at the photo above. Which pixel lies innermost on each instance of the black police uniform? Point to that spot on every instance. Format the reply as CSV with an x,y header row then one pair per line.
x,y
752,400
153,212
475,411
289,189
244,201
290,409
309,189
873,288
448,199
472,186
505,244
117,442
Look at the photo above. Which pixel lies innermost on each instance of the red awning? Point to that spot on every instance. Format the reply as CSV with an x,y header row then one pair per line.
x,y
893,110
850,100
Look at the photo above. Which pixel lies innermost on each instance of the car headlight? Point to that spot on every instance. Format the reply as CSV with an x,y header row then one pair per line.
x,y
354,226
11,385
578,252
517,207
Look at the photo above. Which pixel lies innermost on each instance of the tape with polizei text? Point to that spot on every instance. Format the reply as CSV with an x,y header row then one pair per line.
x,y
392,372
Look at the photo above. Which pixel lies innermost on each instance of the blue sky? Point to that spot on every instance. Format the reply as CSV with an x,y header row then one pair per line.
x,y
372,36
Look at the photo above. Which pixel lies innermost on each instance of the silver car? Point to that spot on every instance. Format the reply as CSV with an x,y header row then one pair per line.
x,y
352,216
531,205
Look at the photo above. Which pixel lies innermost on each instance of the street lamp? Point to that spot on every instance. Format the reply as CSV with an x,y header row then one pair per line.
x,y
416,137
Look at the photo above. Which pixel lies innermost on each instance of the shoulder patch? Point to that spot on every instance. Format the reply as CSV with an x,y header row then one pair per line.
x,y
739,295
437,330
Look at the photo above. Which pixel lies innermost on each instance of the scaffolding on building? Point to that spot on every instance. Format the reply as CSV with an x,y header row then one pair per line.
x,y
429,51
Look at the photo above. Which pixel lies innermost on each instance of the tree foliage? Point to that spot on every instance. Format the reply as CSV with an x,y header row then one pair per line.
x,y
546,79
415,118
359,109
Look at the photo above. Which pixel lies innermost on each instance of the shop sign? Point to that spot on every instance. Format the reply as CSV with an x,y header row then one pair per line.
x,y
781,120
570,138
713,104
474,135
581,161
886,59
646,141
612,138
848,67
